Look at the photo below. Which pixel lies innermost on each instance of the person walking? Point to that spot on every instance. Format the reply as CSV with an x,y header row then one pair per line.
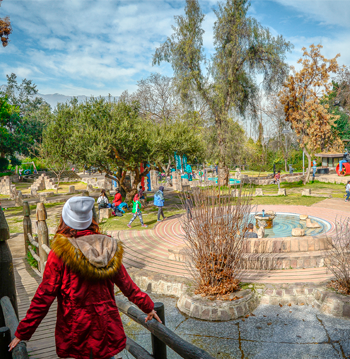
x,y
278,179
81,271
136,210
314,168
217,169
159,202
347,189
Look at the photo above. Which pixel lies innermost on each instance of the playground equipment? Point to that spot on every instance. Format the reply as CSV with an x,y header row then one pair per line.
x,y
345,170
28,171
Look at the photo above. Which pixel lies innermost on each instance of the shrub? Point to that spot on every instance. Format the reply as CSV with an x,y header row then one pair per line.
x,y
4,163
215,240
337,257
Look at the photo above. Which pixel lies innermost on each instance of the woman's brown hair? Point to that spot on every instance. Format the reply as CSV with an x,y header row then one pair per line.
x,y
70,232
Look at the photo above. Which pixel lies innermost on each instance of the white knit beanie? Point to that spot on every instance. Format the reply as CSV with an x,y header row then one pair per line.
x,y
77,212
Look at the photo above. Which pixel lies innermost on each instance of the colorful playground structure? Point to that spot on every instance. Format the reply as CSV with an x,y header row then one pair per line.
x,y
345,169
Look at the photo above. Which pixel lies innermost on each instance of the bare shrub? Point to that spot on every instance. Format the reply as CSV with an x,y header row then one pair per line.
x,y
215,238
337,255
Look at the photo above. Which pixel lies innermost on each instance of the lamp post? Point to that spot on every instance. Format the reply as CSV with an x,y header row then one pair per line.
x,y
286,132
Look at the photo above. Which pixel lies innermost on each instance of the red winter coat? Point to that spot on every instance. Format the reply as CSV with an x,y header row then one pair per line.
x,y
87,316
117,199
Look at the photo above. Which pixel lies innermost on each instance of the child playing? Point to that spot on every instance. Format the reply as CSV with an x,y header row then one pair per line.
x,y
136,210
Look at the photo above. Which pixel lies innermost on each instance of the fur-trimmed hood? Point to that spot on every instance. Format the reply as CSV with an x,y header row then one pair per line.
x,y
93,257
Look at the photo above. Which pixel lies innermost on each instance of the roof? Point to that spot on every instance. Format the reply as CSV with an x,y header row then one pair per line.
x,y
330,155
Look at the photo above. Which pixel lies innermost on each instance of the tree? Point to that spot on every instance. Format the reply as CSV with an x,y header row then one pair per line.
x,y
11,134
235,143
243,49
178,136
342,125
301,97
5,29
55,150
32,110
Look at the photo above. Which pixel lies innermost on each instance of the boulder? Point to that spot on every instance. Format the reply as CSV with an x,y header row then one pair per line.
x,y
282,192
298,232
261,232
310,224
71,189
259,192
303,217
105,213
306,192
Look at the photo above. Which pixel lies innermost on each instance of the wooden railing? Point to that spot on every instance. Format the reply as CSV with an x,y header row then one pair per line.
x,y
41,240
7,333
161,335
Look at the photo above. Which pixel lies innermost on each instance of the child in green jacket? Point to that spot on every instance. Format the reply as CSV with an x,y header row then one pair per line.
x,y
136,210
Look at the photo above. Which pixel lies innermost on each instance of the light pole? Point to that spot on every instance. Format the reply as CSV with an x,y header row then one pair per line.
x,y
285,133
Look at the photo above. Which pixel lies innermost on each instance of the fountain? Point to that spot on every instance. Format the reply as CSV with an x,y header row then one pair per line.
x,y
265,219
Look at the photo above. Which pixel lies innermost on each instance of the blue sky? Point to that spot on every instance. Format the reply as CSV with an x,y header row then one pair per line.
x,y
83,47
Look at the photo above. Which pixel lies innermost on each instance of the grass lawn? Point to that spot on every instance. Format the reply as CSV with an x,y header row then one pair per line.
x,y
149,217
63,187
287,200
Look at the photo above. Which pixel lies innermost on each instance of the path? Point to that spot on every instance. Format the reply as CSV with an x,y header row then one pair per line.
x,y
148,249
42,344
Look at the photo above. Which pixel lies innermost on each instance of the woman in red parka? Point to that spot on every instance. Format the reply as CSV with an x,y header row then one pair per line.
x,y
81,271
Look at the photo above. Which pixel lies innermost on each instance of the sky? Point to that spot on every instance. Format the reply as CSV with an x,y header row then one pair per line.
x,y
101,47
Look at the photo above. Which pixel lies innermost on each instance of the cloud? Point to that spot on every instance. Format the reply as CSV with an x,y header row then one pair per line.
x,y
327,12
103,46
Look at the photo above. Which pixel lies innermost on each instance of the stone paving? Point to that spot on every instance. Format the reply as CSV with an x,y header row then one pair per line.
x,y
149,249
273,332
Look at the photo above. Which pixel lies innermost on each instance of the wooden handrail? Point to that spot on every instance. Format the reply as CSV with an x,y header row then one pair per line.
x,y
136,350
32,241
35,256
180,346
11,321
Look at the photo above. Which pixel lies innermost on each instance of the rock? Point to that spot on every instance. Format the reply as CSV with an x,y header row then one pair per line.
x,y
34,192
105,213
261,232
259,192
298,232
303,217
310,224
71,189
282,192
306,192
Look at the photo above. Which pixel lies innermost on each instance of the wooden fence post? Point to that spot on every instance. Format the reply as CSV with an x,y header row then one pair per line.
x,y
159,347
27,224
7,276
43,234
5,340
11,321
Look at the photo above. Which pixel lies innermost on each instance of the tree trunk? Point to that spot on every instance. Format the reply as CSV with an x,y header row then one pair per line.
x,y
222,170
307,176
285,164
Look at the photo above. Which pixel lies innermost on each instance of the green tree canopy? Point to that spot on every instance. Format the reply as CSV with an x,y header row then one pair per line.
x,y
114,138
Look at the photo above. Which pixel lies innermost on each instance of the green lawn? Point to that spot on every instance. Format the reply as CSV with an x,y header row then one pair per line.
x,y
149,218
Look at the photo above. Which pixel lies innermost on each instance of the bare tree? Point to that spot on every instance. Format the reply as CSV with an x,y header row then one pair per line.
x,y
215,239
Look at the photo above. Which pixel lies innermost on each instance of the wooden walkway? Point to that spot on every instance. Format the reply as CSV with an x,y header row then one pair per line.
x,y
42,343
